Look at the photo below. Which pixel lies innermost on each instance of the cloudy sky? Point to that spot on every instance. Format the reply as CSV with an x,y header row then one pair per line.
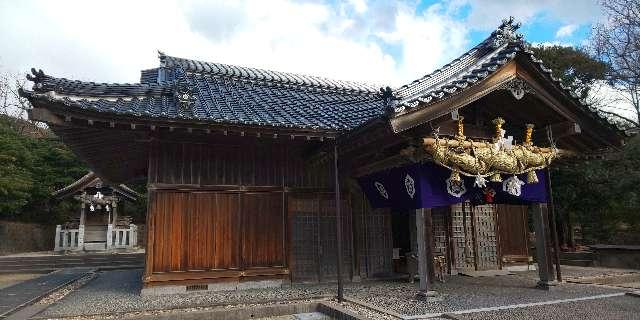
x,y
383,42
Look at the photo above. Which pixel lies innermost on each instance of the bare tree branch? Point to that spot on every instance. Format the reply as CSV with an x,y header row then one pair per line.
x,y
617,42
635,123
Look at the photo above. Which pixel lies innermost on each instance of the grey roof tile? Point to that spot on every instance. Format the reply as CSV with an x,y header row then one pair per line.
x,y
222,94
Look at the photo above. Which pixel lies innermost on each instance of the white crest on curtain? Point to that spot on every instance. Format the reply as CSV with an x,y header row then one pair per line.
x,y
410,185
456,188
381,189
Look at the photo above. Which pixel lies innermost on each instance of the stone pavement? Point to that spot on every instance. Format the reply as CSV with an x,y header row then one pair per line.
x,y
27,292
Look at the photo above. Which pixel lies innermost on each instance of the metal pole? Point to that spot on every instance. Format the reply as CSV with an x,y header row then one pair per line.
x,y
554,232
338,222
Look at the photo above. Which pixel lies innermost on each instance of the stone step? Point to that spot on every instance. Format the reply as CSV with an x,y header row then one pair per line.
x,y
581,255
53,262
577,263
69,261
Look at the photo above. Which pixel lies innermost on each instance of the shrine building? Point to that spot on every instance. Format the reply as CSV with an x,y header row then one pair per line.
x,y
249,170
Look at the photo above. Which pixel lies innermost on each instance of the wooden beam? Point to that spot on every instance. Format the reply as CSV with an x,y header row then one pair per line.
x,y
450,128
386,163
563,129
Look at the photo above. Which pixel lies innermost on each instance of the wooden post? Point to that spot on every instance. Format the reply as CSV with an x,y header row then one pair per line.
x,y
83,218
554,231
57,246
425,285
114,208
82,213
338,222
428,233
109,236
474,237
542,251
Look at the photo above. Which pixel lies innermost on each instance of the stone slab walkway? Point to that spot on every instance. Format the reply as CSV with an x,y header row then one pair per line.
x,y
26,292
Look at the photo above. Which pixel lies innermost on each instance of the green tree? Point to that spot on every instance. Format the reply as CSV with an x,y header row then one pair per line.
x,y
574,66
603,196
600,195
30,169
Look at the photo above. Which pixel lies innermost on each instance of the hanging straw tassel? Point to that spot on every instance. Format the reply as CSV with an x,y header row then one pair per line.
x,y
532,177
455,176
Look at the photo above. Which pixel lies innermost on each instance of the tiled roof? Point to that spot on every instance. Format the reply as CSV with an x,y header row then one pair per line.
x,y
226,94
90,180
473,66
253,74
219,93
501,47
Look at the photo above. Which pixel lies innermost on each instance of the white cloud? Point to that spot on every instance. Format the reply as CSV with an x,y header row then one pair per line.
x,y
101,41
360,6
428,41
566,31
486,14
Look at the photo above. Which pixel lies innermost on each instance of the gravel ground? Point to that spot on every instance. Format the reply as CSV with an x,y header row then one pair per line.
x,y
615,308
574,272
118,291
460,293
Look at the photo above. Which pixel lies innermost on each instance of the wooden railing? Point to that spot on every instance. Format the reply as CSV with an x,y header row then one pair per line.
x,y
69,239
122,238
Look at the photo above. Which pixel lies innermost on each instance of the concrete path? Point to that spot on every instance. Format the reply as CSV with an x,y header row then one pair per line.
x,y
22,294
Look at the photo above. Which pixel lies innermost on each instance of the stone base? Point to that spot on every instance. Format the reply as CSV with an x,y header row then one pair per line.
x,y
425,295
95,246
218,286
546,285
520,267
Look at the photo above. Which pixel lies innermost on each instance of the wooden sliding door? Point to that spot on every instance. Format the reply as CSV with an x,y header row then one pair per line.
x,y
215,233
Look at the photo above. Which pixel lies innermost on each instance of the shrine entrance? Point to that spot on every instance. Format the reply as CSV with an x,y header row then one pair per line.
x,y
312,222
475,245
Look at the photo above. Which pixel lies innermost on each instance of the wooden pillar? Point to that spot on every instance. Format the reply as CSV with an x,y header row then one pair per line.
x,y
545,268
82,212
114,208
421,236
428,233
554,231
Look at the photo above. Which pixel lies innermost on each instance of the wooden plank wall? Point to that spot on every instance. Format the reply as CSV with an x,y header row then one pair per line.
x,y
252,163
219,210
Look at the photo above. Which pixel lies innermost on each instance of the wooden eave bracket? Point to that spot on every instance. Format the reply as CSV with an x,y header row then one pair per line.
x,y
564,129
47,116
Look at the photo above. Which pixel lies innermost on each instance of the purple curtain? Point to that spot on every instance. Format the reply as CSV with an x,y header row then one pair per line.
x,y
423,185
